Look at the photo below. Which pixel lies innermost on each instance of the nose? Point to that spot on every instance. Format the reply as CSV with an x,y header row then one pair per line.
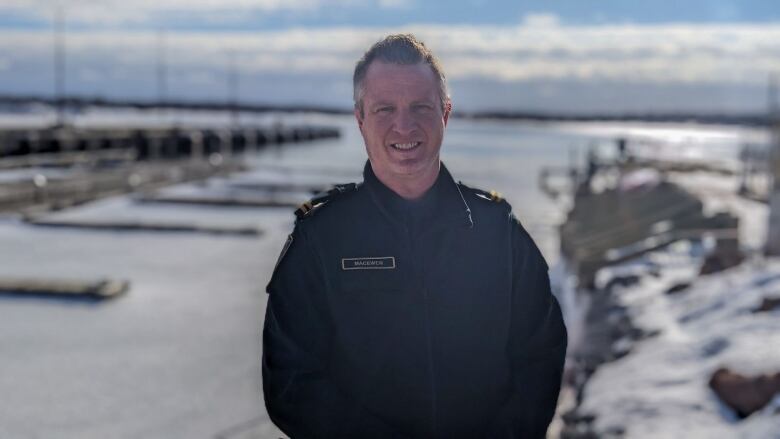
x,y
405,123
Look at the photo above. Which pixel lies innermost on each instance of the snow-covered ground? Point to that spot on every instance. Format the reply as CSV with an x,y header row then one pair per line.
x,y
660,389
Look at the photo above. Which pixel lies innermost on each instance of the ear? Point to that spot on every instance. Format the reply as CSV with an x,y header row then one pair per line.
x,y
359,118
447,111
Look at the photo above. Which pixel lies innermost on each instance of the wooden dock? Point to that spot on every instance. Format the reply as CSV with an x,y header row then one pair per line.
x,y
616,224
92,163
32,145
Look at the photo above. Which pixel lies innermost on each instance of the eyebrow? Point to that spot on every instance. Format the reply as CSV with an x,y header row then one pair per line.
x,y
391,104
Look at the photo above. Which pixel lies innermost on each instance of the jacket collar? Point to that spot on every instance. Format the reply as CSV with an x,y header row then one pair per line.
x,y
443,204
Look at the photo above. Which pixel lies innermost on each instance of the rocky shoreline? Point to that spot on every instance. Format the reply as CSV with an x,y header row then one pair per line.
x,y
704,368
608,334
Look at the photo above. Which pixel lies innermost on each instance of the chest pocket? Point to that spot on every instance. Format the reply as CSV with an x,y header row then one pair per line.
x,y
370,274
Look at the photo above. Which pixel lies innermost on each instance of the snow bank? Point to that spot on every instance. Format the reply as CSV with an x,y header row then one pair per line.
x,y
661,388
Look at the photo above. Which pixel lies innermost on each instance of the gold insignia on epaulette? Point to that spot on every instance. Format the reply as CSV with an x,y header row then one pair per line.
x,y
323,198
304,209
495,196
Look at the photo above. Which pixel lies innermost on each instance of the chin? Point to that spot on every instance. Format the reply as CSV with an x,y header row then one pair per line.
x,y
409,170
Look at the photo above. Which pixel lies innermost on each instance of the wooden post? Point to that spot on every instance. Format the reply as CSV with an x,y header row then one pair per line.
x,y
196,151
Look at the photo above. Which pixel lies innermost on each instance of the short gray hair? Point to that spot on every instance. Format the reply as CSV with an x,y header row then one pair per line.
x,y
404,49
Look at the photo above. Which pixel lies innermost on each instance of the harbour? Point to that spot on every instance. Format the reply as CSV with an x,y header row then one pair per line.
x,y
186,332
155,157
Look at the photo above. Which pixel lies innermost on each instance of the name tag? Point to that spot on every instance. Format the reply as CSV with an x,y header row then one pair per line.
x,y
383,263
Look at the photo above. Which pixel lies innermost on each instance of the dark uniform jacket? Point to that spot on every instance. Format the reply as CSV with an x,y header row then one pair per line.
x,y
433,318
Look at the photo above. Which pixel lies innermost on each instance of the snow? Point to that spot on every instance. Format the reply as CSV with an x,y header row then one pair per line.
x,y
719,194
661,388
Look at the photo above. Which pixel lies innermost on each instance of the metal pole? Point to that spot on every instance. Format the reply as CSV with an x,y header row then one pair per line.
x,y
773,236
162,74
232,78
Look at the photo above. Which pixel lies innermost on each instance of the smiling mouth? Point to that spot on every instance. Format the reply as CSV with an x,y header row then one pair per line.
x,y
405,146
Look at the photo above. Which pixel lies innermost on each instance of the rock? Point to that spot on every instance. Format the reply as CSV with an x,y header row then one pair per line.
x,y
714,347
576,417
615,431
622,347
622,281
678,287
744,395
768,304
578,432
578,425
726,255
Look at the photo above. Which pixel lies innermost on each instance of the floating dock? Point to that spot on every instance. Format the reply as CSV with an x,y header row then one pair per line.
x,y
147,226
99,289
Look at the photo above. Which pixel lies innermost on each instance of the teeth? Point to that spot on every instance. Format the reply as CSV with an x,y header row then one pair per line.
x,y
405,145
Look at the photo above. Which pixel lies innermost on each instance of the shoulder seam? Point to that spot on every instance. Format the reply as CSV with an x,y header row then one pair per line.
x,y
307,209
492,195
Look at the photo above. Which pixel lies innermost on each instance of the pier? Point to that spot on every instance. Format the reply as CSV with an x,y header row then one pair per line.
x,y
54,168
628,206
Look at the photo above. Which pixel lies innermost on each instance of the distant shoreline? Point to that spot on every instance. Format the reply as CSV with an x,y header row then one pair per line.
x,y
741,119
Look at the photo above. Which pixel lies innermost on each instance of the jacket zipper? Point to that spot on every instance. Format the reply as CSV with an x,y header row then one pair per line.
x,y
428,336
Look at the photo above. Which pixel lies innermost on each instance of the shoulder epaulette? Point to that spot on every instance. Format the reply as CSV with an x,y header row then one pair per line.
x,y
305,210
492,195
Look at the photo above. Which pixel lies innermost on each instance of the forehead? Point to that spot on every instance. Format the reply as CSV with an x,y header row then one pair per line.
x,y
385,80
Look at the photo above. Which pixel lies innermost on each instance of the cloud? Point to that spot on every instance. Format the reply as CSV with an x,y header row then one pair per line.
x,y
395,4
108,13
541,49
540,20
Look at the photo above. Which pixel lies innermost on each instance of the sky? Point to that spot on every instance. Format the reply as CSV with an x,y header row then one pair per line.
x,y
551,56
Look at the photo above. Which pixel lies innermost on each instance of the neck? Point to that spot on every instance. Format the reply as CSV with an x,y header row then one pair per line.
x,y
411,188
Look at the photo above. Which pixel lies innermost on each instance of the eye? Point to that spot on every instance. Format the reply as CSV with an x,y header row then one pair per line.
x,y
384,110
422,107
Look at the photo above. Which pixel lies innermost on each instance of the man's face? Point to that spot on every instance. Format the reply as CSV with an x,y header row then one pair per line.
x,y
402,122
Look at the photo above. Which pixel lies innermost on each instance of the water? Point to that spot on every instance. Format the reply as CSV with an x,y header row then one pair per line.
x,y
179,355
489,155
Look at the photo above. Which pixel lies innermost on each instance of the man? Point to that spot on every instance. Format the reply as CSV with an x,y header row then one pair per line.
x,y
409,306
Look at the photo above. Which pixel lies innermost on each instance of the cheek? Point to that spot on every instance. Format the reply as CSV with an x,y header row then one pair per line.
x,y
376,130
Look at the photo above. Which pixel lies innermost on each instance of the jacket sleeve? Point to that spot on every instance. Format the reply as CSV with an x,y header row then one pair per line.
x,y
299,396
537,346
